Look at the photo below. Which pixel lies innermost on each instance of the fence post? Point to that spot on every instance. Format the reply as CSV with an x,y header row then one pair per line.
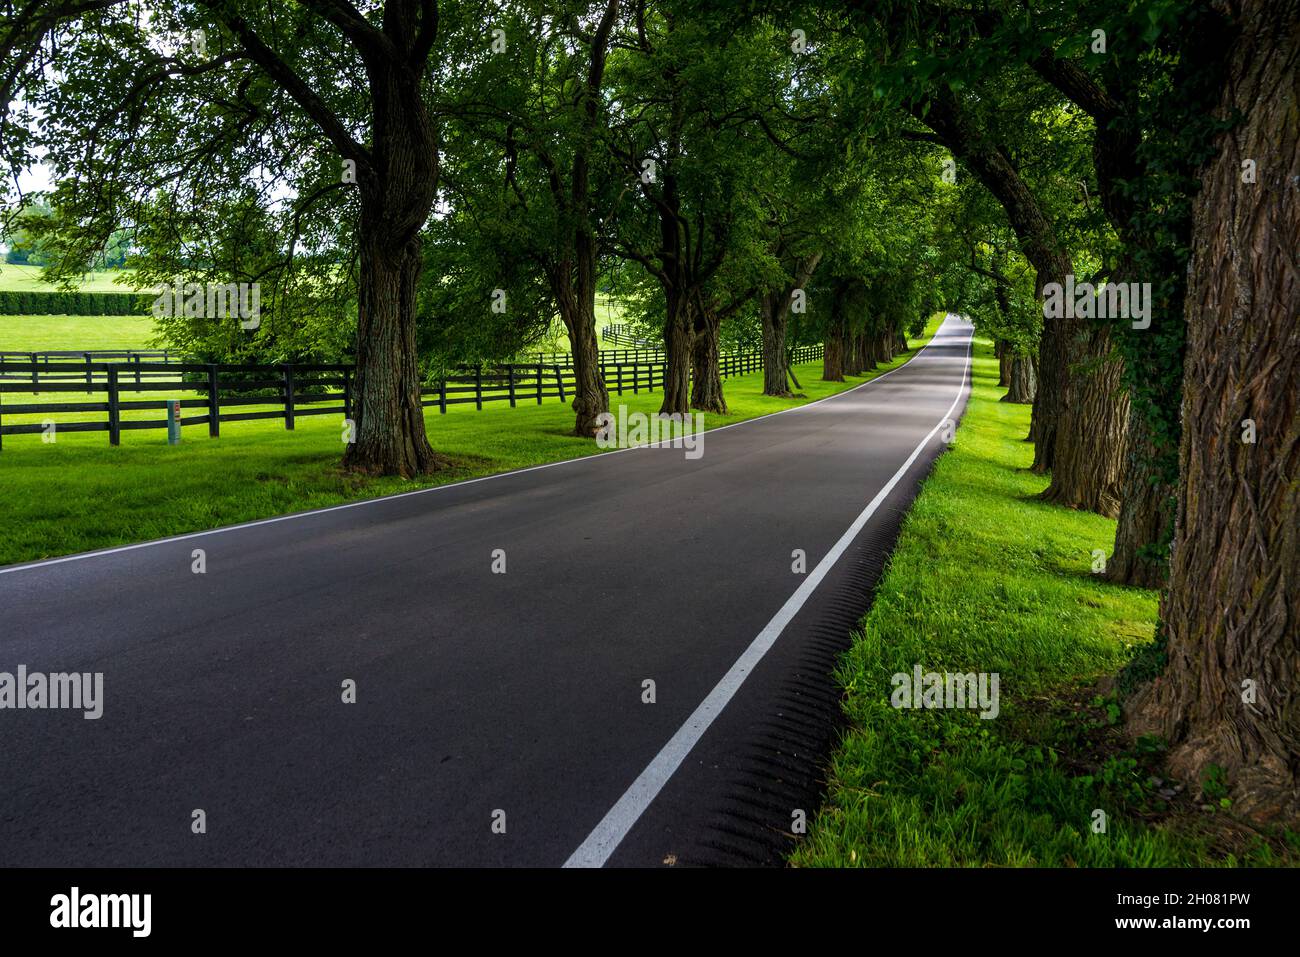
x,y
36,376
539,383
347,393
635,387
478,387
288,398
559,382
114,409
511,370
214,403
442,394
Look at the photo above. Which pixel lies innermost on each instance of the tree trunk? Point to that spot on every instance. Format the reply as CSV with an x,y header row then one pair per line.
x,y
678,334
853,354
573,285
1145,514
833,356
773,307
590,397
1231,615
706,378
1005,358
881,352
789,368
573,282
389,421
858,361
1022,378
397,190
1053,367
1089,462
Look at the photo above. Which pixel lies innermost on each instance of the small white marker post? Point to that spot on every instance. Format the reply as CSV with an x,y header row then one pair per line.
x,y
173,421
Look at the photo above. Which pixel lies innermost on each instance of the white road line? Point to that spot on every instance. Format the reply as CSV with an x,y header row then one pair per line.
x,y
616,824
9,569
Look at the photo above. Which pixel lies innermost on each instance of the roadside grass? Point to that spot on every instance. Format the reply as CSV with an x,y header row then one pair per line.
x,y
78,493
986,578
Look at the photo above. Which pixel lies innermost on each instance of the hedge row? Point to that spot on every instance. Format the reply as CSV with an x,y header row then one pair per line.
x,y
15,303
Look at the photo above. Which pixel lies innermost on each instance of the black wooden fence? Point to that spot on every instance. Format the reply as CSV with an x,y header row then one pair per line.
x,y
620,336
221,391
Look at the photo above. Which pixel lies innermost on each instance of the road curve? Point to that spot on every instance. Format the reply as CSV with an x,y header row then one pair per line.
x,y
484,701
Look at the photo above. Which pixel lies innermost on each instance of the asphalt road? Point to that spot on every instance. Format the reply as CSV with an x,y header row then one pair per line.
x,y
476,692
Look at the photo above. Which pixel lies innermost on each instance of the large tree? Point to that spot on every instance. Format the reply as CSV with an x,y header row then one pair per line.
x,y
528,134
199,106
690,154
1231,616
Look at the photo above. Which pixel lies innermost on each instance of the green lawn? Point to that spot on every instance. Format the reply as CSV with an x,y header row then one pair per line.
x,y
79,493
985,578
54,333
609,312
40,333
29,278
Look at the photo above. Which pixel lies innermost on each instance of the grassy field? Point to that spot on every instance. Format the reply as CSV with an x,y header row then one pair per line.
x,y
41,333
986,578
79,493
28,278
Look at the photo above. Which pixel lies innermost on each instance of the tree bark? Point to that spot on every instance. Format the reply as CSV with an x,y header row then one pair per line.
x,y
1022,378
853,353
678,336
1092,429
881,350
578,312
833,355
389,420
1145,515
1005,358
773,305
866,359
706,378
775,308
397,191
1232,611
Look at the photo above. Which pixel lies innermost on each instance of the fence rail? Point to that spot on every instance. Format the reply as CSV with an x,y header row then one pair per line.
x,y
294,390
620,336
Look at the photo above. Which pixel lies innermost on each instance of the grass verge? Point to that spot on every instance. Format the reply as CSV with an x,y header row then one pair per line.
x,y
79,493
986,578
